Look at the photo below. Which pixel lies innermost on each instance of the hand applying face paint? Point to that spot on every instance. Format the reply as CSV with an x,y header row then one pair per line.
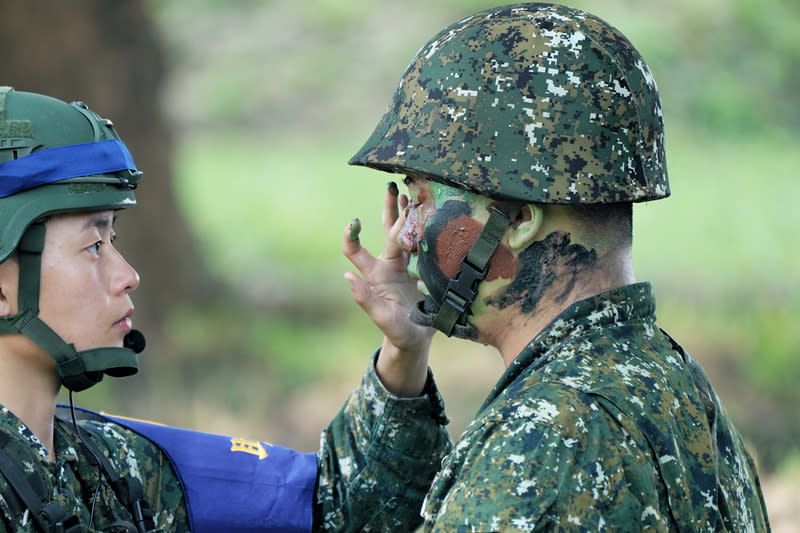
x,y
387,294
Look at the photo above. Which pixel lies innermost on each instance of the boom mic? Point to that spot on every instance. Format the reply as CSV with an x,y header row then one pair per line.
x,y
134,340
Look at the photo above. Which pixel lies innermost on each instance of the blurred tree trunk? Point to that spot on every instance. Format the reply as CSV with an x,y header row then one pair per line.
x,y
108,54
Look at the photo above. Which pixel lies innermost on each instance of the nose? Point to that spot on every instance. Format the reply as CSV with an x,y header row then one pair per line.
x,y
126,279
408,237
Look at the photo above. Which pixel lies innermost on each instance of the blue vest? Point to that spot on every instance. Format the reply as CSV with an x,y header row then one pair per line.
x,y
234,484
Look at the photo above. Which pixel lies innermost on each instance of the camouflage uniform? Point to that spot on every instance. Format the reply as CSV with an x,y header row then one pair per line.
x,y
378,457
379,454
72,478
600,424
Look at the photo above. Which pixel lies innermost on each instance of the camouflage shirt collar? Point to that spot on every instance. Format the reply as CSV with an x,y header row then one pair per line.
x,y
17,430
604,310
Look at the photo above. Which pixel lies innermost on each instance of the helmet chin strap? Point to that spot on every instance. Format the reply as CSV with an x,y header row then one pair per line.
x,y
424,313
450,315
77,370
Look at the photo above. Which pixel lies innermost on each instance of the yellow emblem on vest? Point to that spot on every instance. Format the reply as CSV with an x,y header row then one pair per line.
x,y
249,446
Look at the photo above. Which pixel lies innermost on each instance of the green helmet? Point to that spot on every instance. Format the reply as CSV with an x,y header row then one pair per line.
x,y
54,158
30,123
534,102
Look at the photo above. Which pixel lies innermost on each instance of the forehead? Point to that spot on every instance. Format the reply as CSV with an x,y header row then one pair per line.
x,y
80,221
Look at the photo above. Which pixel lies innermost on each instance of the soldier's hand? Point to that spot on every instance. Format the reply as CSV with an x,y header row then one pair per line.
x,y
387,294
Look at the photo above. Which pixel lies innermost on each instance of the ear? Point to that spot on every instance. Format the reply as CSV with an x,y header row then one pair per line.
x,y
9,280
525,227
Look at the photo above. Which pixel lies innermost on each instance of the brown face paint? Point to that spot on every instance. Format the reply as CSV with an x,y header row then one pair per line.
x,y
503,264
456,240
429,265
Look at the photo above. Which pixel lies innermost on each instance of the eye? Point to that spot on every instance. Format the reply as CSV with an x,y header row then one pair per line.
x,y
420,198
95,248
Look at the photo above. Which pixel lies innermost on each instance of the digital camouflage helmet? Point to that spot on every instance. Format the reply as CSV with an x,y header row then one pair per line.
x,y
534,102
54,158
539,103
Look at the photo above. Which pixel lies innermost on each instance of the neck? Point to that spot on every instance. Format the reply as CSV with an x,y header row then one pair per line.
x,y
511,330
29,386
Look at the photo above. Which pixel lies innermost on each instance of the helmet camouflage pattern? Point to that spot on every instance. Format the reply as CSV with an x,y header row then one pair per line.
x,y
535,102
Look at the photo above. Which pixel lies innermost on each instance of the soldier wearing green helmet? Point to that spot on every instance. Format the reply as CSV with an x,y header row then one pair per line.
x,y
47,182
65,320
524,134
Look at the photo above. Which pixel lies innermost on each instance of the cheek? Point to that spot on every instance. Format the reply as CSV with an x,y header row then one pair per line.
x,y
69,288
457,239
409,234
414,228
503,264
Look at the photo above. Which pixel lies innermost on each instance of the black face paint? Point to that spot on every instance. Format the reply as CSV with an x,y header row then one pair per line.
x,y
430,271
539,265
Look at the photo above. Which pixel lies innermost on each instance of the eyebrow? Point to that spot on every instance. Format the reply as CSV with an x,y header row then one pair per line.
x,y
100,221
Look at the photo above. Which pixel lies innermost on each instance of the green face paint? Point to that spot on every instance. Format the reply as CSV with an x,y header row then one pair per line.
x,y
411,268
355,229
442,193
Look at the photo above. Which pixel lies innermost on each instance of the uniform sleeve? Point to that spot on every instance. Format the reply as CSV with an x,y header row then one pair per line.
x,y
132,454
377,459
543,466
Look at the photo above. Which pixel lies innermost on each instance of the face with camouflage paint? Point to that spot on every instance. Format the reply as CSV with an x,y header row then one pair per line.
x,y
442,225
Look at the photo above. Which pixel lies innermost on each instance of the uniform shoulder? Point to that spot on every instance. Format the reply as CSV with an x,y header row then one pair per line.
x,y
119,443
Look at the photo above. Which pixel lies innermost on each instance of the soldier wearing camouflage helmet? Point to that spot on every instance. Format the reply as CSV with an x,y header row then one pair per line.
x,y
525,133
65,320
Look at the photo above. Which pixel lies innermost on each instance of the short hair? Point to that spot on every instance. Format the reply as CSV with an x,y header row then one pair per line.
x,y
605,222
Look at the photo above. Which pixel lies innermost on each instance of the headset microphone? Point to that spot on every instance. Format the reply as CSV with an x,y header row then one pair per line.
x,y
134,340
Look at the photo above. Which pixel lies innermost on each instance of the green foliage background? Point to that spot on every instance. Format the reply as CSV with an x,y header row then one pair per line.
x,y
270,99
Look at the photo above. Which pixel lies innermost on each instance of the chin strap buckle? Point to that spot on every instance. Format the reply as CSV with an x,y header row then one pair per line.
x,y
463,288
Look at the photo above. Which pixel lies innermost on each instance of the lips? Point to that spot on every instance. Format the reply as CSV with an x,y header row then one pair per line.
x,y
125,324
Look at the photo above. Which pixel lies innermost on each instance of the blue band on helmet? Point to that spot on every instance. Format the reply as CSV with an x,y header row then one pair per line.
x,y
64,162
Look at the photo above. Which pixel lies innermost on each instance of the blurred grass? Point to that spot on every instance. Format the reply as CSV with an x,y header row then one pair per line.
x,y
258,203
731,211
